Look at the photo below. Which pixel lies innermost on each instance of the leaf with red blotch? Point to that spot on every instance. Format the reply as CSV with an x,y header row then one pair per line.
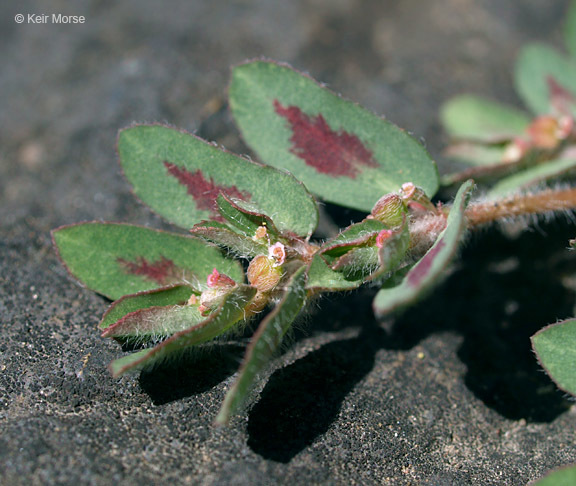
x,y
119,259
180,176
203,191
427,272
335,153
341,151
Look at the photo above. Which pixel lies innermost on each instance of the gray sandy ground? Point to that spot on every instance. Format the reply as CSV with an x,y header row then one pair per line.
x,y
447,394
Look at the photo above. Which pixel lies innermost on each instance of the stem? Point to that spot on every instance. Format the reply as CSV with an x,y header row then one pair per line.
x,y
538,203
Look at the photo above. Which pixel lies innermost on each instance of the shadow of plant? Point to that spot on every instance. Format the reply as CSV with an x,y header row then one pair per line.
x,y
301,400
191,373
507,290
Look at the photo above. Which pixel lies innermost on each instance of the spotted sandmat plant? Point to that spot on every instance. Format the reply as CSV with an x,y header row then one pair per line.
x,y
174,292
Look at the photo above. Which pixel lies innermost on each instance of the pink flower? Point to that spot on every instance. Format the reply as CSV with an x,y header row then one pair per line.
x,y
278,253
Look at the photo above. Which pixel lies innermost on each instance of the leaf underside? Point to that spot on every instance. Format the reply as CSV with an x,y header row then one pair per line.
x,y
230,312
341,151
154,324
355,235
174,295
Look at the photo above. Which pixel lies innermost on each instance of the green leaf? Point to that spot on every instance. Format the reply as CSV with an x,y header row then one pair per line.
x,y
371,262
321,276
341,151
427,272
229,313
264,344
358,234
358,263
154,323
180,176
555,347
476,154
477,119
570,30
119,259
175,295
564,476
532,176
244,219
536,64
221,235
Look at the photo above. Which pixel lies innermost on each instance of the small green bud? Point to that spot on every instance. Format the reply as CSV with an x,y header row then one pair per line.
x,y
390,210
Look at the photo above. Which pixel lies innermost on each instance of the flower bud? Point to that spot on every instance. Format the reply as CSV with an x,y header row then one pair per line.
x,y
390,210
264,273
218,287
260,233
416,198
219,280
544,132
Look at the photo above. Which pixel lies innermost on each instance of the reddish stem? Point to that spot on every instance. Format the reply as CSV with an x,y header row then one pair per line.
x,y
539,203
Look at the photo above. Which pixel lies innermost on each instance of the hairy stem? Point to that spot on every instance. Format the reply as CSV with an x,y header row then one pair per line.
x,y
542,202
425,229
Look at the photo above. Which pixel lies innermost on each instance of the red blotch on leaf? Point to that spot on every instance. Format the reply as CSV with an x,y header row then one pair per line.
x,y
335,153
203,190
162,271
422,269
